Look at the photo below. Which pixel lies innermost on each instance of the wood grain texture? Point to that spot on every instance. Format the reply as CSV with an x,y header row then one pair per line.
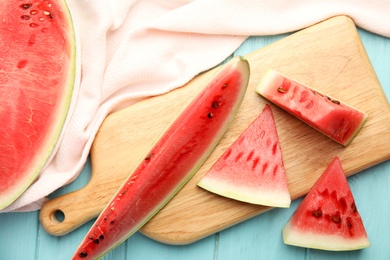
x,y
328,56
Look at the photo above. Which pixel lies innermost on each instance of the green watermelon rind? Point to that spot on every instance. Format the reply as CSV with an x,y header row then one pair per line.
x,y
51,143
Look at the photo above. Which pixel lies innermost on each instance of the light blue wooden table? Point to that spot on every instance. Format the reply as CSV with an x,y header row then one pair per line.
x,y
22,237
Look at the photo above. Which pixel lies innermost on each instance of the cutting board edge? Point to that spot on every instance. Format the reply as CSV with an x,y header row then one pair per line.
x,y
199,235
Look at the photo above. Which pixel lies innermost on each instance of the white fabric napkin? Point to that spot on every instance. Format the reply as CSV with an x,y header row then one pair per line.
x,y
131,49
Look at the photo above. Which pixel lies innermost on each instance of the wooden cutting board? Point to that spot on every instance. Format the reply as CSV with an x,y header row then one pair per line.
x,y
328,56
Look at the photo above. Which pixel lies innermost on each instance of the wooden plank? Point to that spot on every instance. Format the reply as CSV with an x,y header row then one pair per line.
x,y
328,56
17,235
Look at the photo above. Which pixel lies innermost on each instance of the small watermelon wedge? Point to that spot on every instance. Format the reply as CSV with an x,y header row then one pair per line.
x,y
37,74
329,116
251,169
327,217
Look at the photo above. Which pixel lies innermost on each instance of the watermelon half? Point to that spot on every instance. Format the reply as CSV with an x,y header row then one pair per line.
x,y
327,218
331,117
37,73
251,169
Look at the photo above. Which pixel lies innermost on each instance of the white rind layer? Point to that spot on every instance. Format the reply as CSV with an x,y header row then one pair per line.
x,y
259,196
295,237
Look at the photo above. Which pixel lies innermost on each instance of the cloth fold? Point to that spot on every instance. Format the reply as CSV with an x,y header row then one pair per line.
x,y
132,49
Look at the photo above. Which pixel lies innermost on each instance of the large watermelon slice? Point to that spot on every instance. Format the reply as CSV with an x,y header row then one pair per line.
x,y
331,117
252,169
172,161
36,82
327,218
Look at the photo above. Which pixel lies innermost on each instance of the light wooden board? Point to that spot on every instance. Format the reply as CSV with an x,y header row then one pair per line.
x,y
328,56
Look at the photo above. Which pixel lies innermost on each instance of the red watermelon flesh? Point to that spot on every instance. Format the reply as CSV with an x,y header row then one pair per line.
x,y
327,218
251,169
329,116
36,82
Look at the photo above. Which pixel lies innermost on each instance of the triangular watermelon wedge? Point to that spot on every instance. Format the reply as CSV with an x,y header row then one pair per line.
x,y
327,218
251,169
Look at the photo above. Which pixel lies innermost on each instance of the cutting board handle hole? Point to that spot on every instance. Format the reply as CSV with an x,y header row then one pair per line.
x,y
58,216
